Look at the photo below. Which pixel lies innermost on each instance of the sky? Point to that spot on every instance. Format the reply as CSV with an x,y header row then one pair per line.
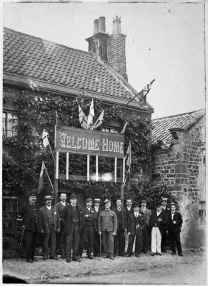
x,y
164,42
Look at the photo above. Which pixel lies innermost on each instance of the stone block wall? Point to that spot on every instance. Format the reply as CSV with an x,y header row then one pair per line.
x,y
182,169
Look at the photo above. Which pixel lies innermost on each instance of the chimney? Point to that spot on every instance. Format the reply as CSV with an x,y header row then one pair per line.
x,y
102,24
117,49
96,26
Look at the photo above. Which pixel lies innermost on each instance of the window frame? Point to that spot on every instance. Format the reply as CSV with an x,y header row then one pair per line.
x,y
10,212
6,131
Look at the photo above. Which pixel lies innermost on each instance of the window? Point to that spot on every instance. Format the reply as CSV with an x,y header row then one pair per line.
x,y
10,209
10,121
202,209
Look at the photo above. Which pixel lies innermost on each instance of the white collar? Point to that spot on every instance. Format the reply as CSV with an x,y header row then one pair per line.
x,y
63,203
48,207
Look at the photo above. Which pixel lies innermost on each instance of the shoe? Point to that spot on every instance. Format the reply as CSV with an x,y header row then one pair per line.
x,y
160,254
181,254
45,257
127,255
106,256
29,260
34,260
164,250
68,260
173,253
153,254
90,256
77,259
137,255
54,257
112,258
63,256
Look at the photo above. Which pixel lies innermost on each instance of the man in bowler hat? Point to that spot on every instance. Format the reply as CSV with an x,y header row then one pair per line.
x,y
88,228
48,225
147,214
28,214
72,219
107,225
96,245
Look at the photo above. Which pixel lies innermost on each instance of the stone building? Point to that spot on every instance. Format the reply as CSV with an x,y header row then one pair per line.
x,y
178,160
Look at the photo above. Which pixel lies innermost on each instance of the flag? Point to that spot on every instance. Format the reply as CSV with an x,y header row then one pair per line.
x,y
91,115
124,128
45,138
99,120
40,183
82,118
142,94
128,156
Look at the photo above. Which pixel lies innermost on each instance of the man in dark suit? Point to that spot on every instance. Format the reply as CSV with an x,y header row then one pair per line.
x,y
166,210
48,225
127,211
61,236
147,214
135,229
96,245
72,219
28,214
107,225
174,228
119,240
88,228
157,221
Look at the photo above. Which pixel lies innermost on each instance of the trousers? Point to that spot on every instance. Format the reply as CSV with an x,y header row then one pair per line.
x,y
30,243
87,233
96,244
45,242
108,242
61,241
119,243
146,238
138,242
156,238
72,241
175,238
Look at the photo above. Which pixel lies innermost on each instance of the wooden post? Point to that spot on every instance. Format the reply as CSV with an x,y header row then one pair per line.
x,y
115,170
56,177
96,168
88,168
122,184
67,165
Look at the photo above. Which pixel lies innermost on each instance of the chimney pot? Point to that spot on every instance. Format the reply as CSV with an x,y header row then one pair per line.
x,y
102,24
96,26
116,25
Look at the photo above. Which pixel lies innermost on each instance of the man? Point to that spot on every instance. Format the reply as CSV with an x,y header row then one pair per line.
x,y
119,240
28,214
107,224
61,236
174,228
96,245
88,228
72,220
48,225
147,214
166,210
135,229
128,210
157,221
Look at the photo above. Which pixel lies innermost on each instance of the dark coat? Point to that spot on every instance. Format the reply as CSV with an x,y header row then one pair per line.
x,y
123,220
67,218
147,215
89,217
29,214
175,227
127,214
154,221
43,219
132,223
96,218
60,208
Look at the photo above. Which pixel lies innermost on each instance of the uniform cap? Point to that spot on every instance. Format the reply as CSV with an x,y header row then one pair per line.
x,y
143,201
48,197
158,204
88,200
106,201
164,199
172,204
136,205
96,200
73,196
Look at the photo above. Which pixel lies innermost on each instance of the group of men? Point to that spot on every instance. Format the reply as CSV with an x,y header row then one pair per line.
x,y
118,231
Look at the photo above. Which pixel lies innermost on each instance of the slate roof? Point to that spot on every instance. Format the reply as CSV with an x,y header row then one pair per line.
x,y
36,59
162,126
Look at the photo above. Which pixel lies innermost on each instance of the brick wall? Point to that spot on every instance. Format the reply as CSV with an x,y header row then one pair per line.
x,y
182,169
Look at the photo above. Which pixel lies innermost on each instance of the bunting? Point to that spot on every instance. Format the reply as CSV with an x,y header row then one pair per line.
x,y
90,116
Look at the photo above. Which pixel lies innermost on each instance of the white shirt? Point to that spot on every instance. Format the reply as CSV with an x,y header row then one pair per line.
x,y
88,209
136,214
48,207
158,213
172,214
128,208
96,209
63,203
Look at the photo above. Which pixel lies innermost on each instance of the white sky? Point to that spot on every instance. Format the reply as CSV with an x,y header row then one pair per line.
x,y
164,42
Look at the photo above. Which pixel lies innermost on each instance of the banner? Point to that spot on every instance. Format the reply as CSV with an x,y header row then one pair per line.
x,y
81,141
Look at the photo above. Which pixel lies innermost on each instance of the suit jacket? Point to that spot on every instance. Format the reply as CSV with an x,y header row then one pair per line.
x,y
43,219
107,221
96,218
88,217
67,218
147,215
123,220
127,214
154,221
60,208
175,227
132,223
28,214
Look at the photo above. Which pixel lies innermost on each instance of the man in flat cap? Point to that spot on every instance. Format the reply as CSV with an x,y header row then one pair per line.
x,y
174,228
96,245
72,219
119,240
28,214
147,214
164,229
157,221
107,225
48,225
61,236
87,229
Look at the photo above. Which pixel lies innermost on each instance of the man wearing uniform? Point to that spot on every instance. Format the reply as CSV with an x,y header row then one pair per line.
x,y
96,248
119,241
61,236
28,214
135,229
166,210
147,214
72,220
174,228
48,225
107,224
88,228
128,210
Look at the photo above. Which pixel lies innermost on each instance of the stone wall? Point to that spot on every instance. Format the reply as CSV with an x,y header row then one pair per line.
x,y
182,169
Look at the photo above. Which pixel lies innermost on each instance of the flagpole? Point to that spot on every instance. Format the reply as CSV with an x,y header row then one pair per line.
x,y
51,151
48,176
97,120
129,171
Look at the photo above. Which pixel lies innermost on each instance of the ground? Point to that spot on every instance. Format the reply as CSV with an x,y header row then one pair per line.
x,y
165,269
